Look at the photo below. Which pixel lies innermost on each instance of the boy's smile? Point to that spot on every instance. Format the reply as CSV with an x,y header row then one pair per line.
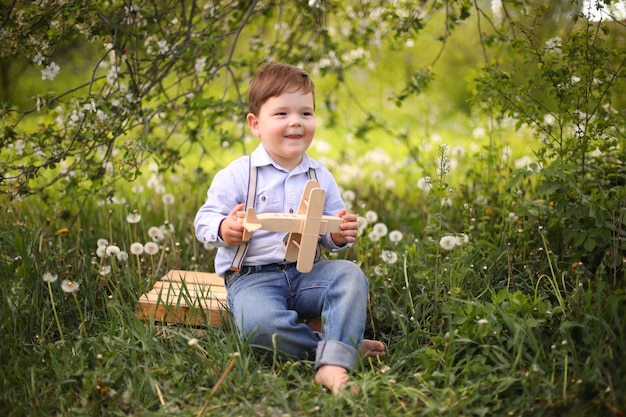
x,y
286,126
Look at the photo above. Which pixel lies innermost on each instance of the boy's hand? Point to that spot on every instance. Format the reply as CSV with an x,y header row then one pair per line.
x,y
231,229
349,229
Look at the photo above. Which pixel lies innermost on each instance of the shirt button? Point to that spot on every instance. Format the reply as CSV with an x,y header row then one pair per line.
x,y
290,210
263,198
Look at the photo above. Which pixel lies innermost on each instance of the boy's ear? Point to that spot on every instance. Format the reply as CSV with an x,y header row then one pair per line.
x,y
253,122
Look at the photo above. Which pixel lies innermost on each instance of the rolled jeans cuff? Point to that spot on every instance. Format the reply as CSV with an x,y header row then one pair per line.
x,y
333,352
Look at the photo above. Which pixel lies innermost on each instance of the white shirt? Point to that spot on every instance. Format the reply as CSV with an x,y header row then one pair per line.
x,y
278,191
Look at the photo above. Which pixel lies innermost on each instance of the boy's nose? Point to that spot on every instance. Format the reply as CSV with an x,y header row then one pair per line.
x,y
295,120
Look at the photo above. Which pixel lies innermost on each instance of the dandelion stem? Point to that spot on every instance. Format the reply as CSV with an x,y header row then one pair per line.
x,y
82,318
219,382
56,316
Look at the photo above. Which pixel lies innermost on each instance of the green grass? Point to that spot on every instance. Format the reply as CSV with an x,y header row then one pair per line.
x,y
496,326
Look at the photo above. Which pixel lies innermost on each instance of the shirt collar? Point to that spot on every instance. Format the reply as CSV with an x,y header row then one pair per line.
x,y
260,157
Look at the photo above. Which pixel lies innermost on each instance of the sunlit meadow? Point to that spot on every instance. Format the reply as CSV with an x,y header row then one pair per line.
x,y
477,316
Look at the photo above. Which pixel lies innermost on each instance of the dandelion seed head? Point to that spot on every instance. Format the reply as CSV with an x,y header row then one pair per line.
x,y
361,223
105,270
373,236
103,242
389,257
447,242
69,286
380,229
50,277
151,248
133,217
122,256
424,183
395,236
156,234
168,199
348,195
112,250
371,216
136,248
101,251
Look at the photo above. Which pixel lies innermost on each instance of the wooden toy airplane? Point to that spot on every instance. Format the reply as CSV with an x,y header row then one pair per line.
x,y
304,227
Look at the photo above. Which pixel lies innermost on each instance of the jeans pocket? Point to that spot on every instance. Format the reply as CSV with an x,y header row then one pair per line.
x,y
233,276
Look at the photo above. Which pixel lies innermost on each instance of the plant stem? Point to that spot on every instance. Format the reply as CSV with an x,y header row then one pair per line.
x,y
82,318
56,316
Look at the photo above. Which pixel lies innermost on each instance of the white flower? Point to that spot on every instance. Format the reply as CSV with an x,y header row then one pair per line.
x,y
50,277
103,242
49,72
38,59
379,270
20,145
380,229
105,270
482,322
122,256
151,248
112,250
448,242
156,234
523,162
168,199
69,286
199,65
137,188
133,217
424,183
136,248
163,47
371,216
554,45
395,236
389,256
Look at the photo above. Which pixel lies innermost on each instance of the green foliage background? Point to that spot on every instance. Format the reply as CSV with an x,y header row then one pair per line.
x,y
516,116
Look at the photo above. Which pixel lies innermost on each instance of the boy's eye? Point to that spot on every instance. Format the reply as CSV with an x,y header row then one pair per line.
x,y
281,113
307,114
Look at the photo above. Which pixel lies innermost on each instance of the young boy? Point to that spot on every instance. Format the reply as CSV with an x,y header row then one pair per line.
x,y
265,294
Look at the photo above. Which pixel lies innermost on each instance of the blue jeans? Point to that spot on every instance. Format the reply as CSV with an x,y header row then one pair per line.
x,y
267,300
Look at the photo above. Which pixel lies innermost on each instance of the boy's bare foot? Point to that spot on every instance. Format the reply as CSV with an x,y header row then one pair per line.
x,y
332,377
372,348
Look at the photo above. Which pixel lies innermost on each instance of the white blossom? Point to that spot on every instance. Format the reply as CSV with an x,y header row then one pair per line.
x,y
50,71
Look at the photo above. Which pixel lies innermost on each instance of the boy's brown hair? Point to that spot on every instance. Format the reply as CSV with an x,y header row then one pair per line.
x,y
272,79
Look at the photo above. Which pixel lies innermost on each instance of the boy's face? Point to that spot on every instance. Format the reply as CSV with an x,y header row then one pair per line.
x,y
286,126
